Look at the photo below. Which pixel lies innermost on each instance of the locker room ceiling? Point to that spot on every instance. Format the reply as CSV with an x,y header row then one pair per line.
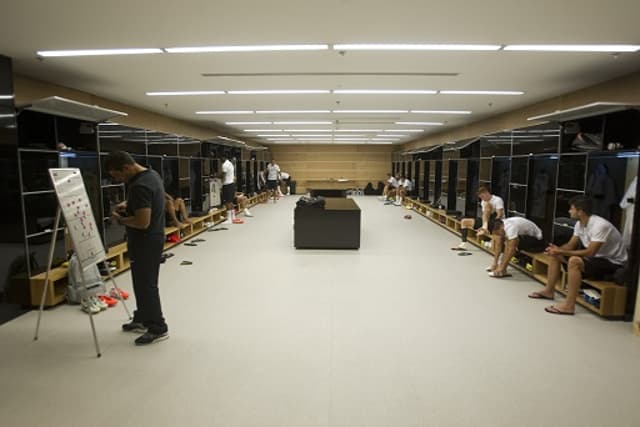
x,y
28,26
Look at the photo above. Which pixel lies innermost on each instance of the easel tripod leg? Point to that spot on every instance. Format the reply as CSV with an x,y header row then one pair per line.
x,y
115,286
49,262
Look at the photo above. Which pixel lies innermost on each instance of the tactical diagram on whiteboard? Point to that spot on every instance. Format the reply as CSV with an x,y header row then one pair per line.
x,y
76,209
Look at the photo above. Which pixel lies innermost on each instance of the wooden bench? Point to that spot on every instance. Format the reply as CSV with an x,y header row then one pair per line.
x,y
117,255
613,297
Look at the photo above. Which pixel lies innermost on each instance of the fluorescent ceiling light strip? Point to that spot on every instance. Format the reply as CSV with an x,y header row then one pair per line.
x,y
262,130
380,142
350,139
573,47
481,92
278,92
293,111
109,124
404,130
420,123
390,135
3,97
358,130
95,52
370,111
304,123
272,135
250,48
280,139
308,130
384,92
187,93
326,135
313,139
6,116
453,47
440,112
248,123
226,112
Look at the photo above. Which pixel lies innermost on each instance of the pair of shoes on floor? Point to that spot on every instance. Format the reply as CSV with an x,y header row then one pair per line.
x,y
108,300
247,213
92,305
151,338
113,293
237,221
461,247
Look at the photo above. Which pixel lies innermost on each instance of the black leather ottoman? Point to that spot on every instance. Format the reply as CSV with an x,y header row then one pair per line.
x,y
337,226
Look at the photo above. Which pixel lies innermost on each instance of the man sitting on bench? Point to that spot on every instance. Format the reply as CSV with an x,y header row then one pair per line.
x,y
492,209
510,235
603,254
175,211
242,202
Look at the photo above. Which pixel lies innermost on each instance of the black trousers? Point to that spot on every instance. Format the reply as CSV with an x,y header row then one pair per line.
x,y
145,251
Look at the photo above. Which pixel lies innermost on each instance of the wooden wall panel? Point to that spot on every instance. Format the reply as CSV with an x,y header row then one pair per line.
x,y
361,163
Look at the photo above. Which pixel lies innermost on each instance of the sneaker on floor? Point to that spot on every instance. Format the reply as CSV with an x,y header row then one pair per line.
x,y
227,222
151,337
462,246
247,213
113,293
488,269
89,307
238,221
136,327
397,204
108,300
99,303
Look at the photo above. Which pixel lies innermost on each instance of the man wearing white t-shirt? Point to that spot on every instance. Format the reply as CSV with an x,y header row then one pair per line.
x,y
394,184
512,234
273,176
492,209
228,187
405,187
603,254
387,186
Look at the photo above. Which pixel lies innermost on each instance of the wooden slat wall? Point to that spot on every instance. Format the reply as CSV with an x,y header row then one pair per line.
x,y
362,163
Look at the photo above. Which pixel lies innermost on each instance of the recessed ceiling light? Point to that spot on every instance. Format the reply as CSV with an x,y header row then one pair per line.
x,y
187,93
481,92
615,48
257,48
384,92
247,123
371,111
278,92
304,123
95,52
440,112
404,130
420,123
225,112
293,111
455,47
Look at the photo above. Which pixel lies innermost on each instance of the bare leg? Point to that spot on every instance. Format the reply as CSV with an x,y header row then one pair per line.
x,y
182,208
553,275
170,208
574,280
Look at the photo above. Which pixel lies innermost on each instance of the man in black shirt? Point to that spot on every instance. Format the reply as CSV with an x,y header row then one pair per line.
x,y
143,216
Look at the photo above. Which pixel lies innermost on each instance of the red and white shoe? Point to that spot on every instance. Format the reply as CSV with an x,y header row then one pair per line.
x,y
237,221
113,293
108,300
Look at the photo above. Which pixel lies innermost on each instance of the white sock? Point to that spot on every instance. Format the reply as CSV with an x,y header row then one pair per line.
x,y
230,215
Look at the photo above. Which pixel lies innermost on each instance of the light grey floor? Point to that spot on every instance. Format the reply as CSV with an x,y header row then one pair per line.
x,y
402,332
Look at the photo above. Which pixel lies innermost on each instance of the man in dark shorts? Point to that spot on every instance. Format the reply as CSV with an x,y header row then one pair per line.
x,y
273,177
143,216
492,209
508,236
603,254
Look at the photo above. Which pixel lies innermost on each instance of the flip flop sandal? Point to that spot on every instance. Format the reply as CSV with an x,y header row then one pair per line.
x,y
190,244
496,276
538,295
455,248
217,229
186,263
198,240
551,309
465,254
